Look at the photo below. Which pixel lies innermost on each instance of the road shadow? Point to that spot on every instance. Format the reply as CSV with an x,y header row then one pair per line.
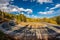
x,y
58,27
53,35
26,33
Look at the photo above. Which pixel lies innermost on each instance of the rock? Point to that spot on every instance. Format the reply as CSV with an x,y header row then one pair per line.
x,y
12,23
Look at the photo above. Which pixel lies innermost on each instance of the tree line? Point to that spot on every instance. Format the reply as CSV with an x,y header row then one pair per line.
x,y
23,18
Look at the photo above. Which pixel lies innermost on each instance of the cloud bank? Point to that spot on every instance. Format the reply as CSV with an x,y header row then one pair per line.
x,y
46,12
40,1
6,7
56,6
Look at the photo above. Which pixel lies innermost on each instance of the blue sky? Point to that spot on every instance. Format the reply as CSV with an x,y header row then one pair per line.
x,y
32,8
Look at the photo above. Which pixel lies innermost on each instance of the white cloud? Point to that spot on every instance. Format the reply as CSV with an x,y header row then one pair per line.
x,y
3,5
44,1
34,16
22,13
29,11
25,10
14,9
9,8
46,12
56,6
31,16
21,9
40,1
